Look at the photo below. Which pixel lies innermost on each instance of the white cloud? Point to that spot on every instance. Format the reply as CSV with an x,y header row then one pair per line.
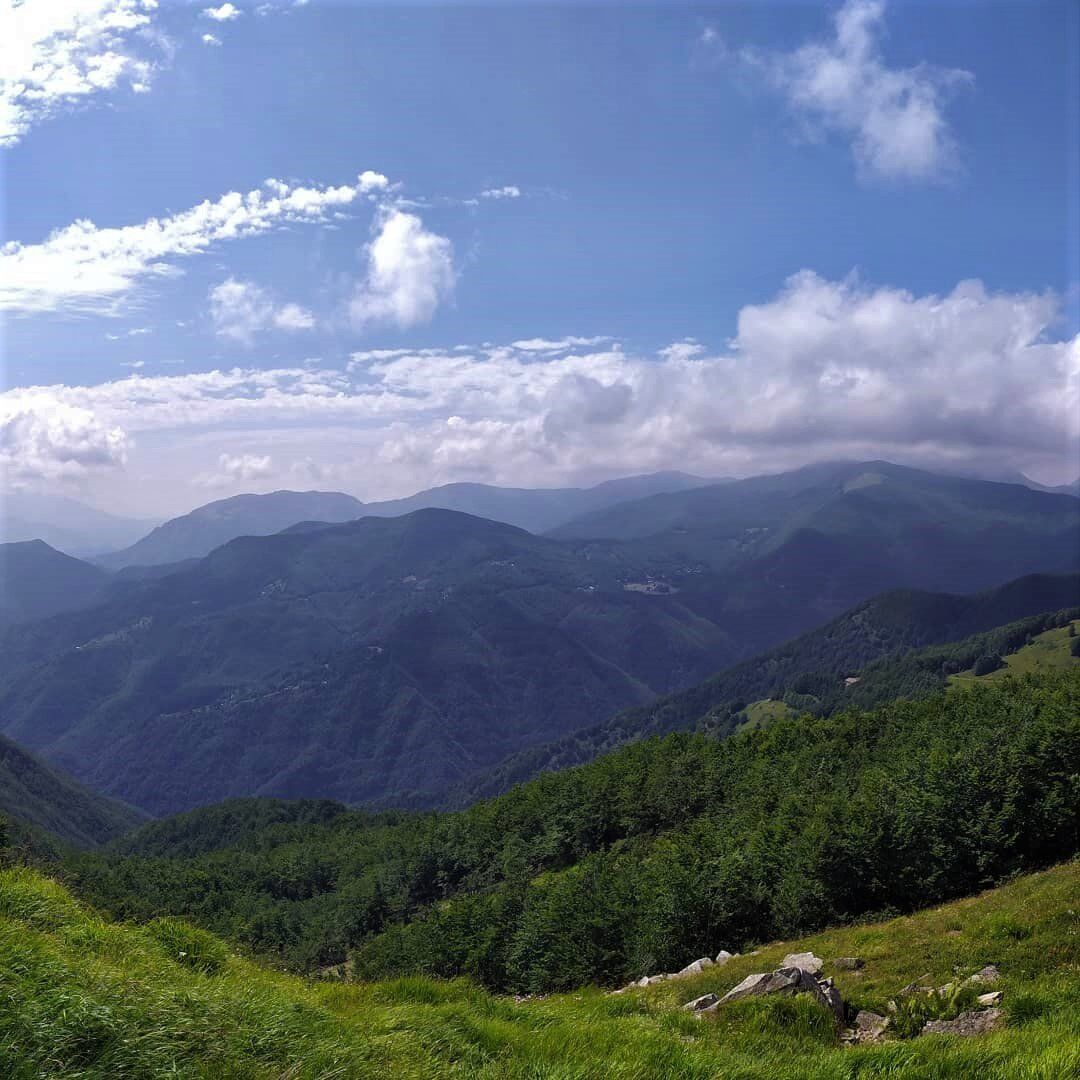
x,y
83,267
56,53
410,273
558,345
43,439
226,13
894,116
210,39
239,468
510,191
241,309
823,369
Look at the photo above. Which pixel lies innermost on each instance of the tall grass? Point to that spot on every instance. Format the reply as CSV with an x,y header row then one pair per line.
x,y
81,997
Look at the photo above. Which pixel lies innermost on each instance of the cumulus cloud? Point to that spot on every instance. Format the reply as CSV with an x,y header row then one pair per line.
x,y
557,345
210,39
509,191
235,469
823,369
57,53
410,272
83,267
241,309
44,440
895,117
226,13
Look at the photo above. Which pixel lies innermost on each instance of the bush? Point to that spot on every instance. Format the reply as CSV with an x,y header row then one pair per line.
x,y
988,662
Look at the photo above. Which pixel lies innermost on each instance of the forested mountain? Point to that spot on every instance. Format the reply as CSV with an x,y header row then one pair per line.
x,y
37,580
32,793
666,849
197,534
366,660
882,641
389,659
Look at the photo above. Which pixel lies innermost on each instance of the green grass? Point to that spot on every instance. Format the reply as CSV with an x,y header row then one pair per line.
x,y
760,714
1047,651
86,998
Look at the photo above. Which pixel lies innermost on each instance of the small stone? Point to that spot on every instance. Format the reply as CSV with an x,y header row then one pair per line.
x,y
974,1022
987,977
804,961
920,986
723,956
848,963
993,998
700,1003
869,1026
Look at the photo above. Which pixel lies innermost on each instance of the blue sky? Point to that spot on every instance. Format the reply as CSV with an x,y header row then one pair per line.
x,y
727,238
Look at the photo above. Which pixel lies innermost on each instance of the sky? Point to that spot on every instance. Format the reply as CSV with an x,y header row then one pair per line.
x,y
374,248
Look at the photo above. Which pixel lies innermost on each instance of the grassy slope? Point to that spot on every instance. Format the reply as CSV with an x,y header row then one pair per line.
x,y
86,998
1048,650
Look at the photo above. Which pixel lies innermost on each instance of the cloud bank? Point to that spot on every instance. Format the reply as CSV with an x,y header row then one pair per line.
x,y
824,369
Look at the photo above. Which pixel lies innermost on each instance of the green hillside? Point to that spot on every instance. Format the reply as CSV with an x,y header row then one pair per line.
x,y
625,865
892,643
1051,649
89,998
32,793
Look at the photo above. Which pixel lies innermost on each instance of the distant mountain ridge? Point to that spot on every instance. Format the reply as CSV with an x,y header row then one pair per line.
x,y
65,524
197,533
386,659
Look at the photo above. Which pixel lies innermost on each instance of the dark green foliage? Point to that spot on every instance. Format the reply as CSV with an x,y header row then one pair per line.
x,y
36,795
660,852
988,662
1074,648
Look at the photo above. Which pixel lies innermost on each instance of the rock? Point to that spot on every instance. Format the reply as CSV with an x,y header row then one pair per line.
x,y
700,1003
723,956
766,982
804,961
869,1027
696,967
974,1022
787,980
920,986
993,998
848,963
987,977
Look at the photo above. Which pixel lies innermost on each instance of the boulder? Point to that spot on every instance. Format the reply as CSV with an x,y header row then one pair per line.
x,y
696,967
787,980
848,963
723,956
700,1003
804,961
974,1022
987,977
993,998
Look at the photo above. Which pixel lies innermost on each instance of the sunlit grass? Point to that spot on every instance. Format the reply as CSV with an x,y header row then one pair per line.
x,y
85,998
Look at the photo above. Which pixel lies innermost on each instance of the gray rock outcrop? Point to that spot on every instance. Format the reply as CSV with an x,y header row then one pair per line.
x,y
973,1022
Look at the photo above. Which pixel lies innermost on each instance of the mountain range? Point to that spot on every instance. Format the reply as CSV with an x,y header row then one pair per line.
x,y
386,659
535,509
64,523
